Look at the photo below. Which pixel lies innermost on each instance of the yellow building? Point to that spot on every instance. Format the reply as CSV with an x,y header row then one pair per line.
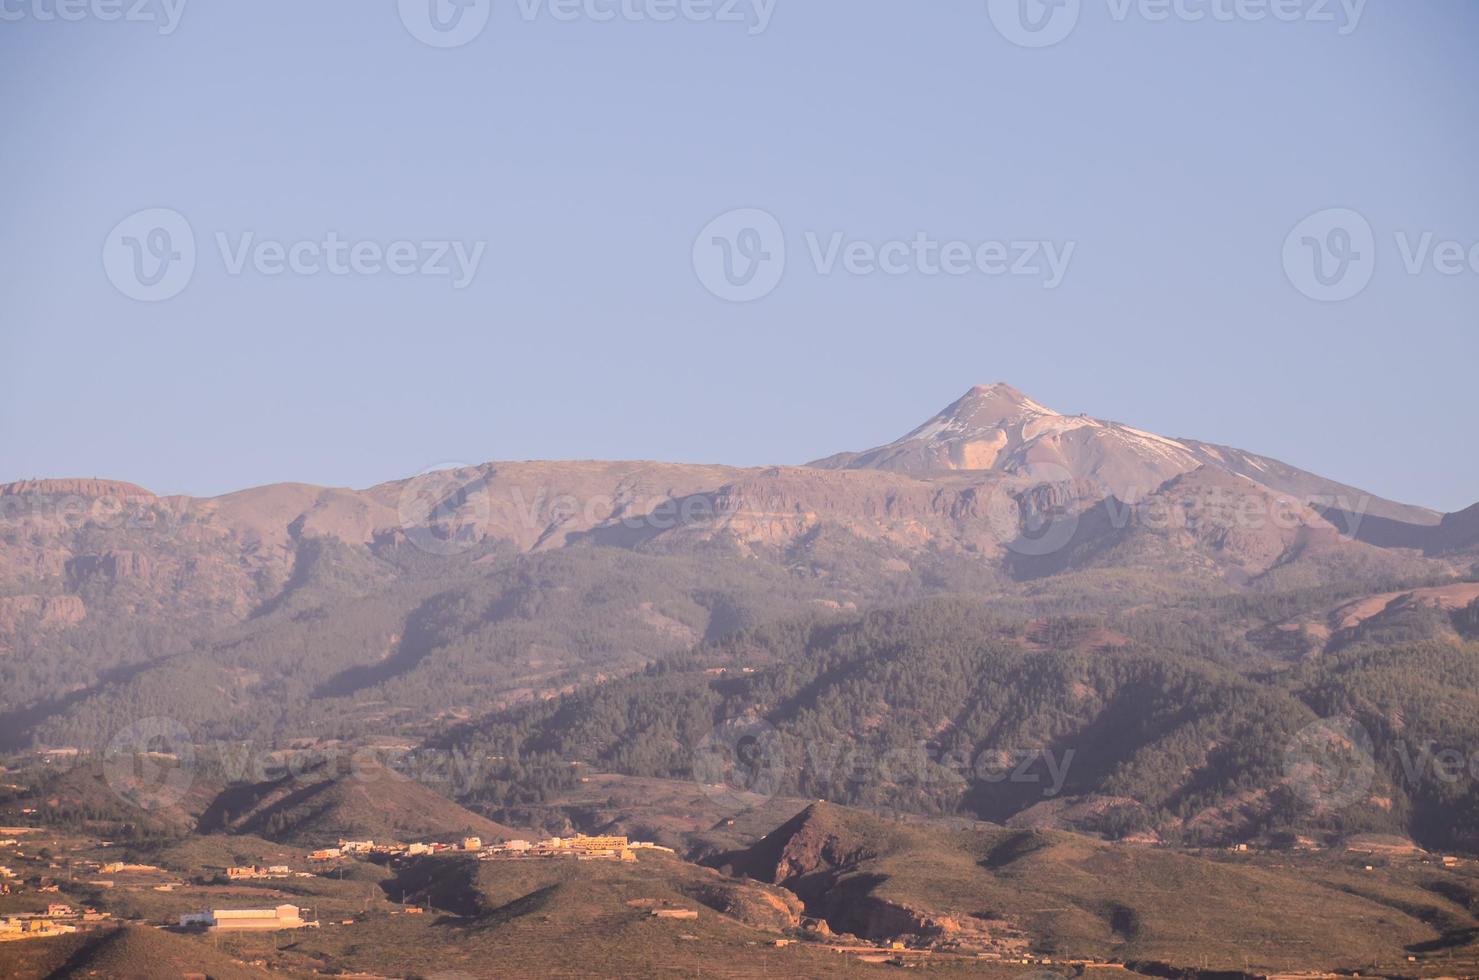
x,y
596,843
32,928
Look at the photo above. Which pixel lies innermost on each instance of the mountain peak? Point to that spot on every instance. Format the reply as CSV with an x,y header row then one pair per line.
x,y
997,427
994,403
996,388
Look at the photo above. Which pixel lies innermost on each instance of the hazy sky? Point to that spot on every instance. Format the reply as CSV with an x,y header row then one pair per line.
x,y
575,158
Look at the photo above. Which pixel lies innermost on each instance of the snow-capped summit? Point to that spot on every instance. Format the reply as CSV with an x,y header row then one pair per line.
x,y
990,404
996,428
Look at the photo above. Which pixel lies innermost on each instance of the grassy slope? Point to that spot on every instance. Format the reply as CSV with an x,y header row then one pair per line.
x,y
567,919
127,953
1080,897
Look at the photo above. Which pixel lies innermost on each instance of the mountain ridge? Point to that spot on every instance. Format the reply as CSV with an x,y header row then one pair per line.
x,y
998,428
970,434
517,581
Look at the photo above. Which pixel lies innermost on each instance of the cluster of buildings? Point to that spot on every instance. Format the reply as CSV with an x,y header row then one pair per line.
x,y
248,920
7,874
37,926
252,872
31,927
365,848
579,847
123,867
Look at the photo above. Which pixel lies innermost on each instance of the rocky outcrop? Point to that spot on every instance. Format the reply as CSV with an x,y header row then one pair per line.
x,y
762,906
112,565
40,612
826,856
90,489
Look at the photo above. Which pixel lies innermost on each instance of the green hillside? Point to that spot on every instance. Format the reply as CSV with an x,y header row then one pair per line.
x,y
942,707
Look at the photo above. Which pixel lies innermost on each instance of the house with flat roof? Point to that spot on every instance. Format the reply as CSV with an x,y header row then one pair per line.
x,y
247,920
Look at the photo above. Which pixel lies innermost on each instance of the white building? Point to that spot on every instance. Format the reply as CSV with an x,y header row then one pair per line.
x,y
243,920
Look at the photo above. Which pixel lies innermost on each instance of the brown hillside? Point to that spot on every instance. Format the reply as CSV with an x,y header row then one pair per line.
x,y
370,803
1071,896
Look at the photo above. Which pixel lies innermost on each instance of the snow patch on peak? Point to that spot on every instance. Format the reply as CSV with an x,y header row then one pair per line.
x,y
1004,394
1152,445
1056,424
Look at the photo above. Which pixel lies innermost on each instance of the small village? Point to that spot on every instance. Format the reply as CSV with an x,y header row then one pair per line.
x,y
56,921
288,916
358,887
579,847
62,919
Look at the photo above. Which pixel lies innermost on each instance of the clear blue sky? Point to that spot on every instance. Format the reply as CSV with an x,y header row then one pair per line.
x,y
1176,156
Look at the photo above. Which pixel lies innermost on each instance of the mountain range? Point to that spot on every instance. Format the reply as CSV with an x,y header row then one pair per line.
x,y
1043,686
293,608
